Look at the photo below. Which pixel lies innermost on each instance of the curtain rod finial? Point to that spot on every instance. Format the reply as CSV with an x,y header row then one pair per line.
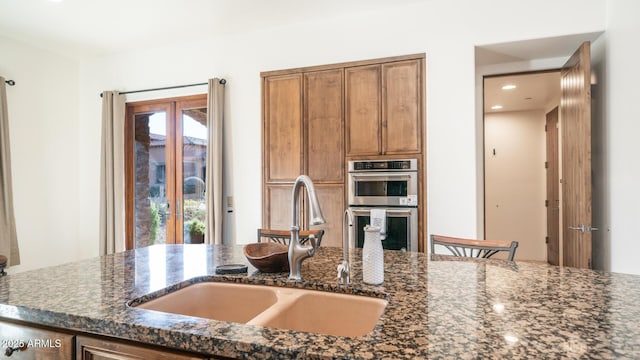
x,y
10,82
223,81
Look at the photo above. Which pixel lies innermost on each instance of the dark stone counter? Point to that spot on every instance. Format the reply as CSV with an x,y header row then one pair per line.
x,y
438,307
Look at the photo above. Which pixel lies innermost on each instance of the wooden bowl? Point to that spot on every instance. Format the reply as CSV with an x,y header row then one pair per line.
x,y
268,257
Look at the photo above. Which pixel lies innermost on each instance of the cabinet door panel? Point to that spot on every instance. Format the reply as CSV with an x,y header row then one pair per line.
x,y
323,118
401,107
35,343
331,198
362,92
283,127
97,349
277,210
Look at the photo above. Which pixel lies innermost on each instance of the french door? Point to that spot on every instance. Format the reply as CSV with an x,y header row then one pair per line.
x,y
165,157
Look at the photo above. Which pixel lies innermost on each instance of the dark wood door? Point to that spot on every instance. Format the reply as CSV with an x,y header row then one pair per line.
x,y
553,191
575,117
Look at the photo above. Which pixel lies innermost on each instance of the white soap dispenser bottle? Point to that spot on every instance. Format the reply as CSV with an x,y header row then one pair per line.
x,y
372,256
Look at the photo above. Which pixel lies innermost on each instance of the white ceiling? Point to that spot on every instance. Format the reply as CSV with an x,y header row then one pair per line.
x,y
93,27
545,48
535,90
532,92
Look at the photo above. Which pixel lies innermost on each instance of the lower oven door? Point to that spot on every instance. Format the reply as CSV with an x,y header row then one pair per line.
x,y
402,227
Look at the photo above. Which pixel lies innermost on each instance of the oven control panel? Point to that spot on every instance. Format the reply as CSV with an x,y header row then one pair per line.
x,y
384,165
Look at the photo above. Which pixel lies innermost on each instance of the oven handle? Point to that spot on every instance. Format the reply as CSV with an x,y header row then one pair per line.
x,y
394,211
383,177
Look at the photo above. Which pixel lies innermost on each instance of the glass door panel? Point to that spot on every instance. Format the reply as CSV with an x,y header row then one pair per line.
x,y
165,156
193,155
151,206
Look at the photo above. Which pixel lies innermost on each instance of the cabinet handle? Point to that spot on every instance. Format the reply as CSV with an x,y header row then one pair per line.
x,y
10,350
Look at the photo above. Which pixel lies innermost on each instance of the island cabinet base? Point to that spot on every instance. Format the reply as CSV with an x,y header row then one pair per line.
x,y
26,342
88,348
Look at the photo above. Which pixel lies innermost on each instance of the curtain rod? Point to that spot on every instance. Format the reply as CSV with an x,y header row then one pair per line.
x,y
222,81
11,82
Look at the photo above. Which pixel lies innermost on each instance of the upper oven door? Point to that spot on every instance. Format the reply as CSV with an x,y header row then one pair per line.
x,y
383,188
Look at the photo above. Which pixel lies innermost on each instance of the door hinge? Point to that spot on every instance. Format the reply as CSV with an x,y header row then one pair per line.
x,y
545,127
546,239
546,203
546,164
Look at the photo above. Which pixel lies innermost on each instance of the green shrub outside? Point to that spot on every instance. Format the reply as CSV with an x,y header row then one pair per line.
x,y
154,223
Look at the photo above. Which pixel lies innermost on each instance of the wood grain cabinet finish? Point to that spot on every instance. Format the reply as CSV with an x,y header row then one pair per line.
x,y
402,107
363,121
323,121
331,198
98,349
282,127
35,343
277,207
384,108
302,135
316,118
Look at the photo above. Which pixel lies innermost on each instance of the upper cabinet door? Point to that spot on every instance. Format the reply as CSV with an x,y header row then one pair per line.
x,y
283,127
362,93
401,107
323,109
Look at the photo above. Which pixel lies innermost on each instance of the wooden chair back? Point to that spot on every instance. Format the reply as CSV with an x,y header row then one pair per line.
x,y
283,236
474,248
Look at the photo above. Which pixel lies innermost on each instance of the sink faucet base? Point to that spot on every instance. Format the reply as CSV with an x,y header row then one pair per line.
x,y
298,253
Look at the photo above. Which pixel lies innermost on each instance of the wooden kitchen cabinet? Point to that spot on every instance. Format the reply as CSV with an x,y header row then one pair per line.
x,y
88,348
316,118
282,127
35,343
402,107
331,198
362,98
302,135
277,207
384,108
323,122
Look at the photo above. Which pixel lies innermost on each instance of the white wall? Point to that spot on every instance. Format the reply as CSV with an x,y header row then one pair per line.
x,y
601,205
622,116
43,121
445,31
515,183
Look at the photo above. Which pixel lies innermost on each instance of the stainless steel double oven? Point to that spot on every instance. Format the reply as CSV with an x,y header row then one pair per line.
x,y
391,185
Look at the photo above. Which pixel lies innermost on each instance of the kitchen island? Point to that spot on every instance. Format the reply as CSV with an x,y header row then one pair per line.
x,y
438,306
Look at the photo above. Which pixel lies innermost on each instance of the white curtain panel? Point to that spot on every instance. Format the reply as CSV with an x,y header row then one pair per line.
x,y
214,176
112,211
8,236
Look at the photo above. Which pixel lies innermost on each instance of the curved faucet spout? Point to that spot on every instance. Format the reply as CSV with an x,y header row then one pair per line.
x,y
297,252
344,271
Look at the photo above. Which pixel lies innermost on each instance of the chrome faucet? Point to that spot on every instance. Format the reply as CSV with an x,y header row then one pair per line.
x,y
344,272
297,252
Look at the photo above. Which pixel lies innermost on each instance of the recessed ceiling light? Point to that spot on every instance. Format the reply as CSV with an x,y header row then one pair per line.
x,y
509,87
496,107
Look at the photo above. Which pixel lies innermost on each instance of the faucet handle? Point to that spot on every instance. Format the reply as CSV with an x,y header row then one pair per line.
x,y
344,277
313,241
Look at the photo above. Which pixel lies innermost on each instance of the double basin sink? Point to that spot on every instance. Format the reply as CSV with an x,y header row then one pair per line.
x,y
274,307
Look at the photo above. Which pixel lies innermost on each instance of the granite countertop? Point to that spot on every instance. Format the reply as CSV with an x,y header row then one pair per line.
x,y
438,307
